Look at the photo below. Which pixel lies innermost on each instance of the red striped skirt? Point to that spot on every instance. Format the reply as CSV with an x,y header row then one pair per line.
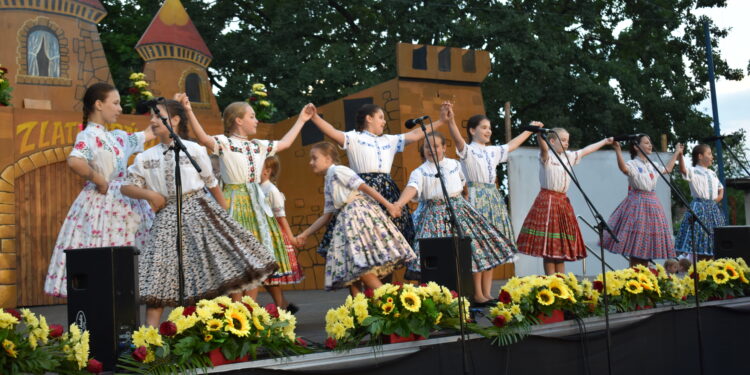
x,y
551,229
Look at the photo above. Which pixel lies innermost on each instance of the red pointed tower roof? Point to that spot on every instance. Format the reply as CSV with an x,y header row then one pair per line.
x,y
172,35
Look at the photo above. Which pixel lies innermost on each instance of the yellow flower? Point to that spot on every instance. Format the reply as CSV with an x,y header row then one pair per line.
x,y
262,94
634,287
264,103
440,316
7,320
147,94
237,322
134,76
720,276
545,297
733,274
387,308
259,87
515,309
10,348
256,323
558,288
144,336
208,337
140,84
411,301
214,324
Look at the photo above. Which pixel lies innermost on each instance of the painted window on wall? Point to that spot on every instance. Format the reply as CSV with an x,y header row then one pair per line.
x,y
193,87
43,53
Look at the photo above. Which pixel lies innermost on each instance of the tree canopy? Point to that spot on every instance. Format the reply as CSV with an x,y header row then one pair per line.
x,y
595,67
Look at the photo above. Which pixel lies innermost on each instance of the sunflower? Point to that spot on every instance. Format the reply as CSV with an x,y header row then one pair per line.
x,y
545,297
411,301
634,287
387,308
558,288
257,324
10,348
733,274
214,324
720,276
236,322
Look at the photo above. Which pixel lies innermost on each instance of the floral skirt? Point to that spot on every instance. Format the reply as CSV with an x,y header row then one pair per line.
x,y
384,184
489,247
245,207
710,214
219,255
97,220
486,199
296,276
641,226
363,241
551,230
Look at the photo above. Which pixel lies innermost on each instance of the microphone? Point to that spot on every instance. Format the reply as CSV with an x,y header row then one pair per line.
x,y
535,129
145,105
714,138
627,137
410,123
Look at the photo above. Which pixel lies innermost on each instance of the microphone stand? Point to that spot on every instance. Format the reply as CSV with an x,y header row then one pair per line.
x,y
600,227
177,147
693,219
458,233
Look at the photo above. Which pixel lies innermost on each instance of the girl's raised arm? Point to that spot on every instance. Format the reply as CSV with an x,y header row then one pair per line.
x,y
327,129
204,139
304,116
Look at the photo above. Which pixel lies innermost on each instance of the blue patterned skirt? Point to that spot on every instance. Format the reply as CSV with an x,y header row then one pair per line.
x,y
709,213
364,241
384,184
486,199
490,248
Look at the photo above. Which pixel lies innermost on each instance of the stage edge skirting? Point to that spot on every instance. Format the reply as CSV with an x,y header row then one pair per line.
x,y
659,341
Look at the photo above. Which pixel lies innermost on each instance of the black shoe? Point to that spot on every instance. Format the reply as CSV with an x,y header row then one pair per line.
x,y
292,308
476,304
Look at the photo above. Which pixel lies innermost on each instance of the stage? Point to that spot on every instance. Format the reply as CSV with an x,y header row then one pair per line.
x,y
654,341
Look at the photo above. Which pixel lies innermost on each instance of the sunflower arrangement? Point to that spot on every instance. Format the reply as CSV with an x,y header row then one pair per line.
x,y
400,309
5,88
236,329
258,99
29,345
137,92
720,278
673,288
535,295
633,288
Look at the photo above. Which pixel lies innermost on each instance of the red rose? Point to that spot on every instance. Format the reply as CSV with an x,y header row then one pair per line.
x,y
55,330
504,296
252,98
14,312
167,329
369,293
454,294
188,311
598,285
398,283
133,90
248,307
94,366
224,307
273,310
655,272
331,343
140,354
423,285
499,321
3,69
301,342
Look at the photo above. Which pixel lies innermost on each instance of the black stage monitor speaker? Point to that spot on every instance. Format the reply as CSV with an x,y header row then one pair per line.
x,y
438,263
102,298
732,241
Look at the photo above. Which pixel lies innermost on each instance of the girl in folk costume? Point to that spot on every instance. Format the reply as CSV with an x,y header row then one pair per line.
x,y
479,160
639,221
365,244
242,158
707,191
271,171
219,255
489,246
100,215
550,230
371,154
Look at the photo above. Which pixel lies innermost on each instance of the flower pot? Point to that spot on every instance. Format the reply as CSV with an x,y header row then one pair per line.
x,y
217,358
554,317
394,338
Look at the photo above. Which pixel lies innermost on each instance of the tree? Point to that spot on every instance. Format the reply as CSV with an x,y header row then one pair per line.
x,y
561,62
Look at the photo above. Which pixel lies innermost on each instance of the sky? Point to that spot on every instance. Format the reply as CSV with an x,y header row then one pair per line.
x,y
733,97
